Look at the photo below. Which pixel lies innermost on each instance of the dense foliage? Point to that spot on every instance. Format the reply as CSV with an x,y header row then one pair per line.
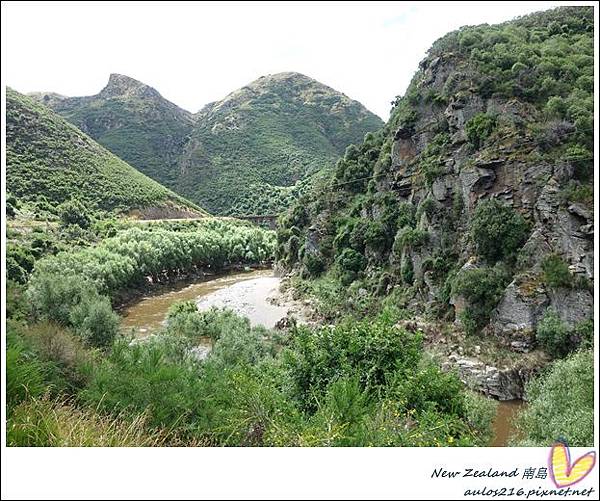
x,y
497,230
559,339
135,254
561,404
48,157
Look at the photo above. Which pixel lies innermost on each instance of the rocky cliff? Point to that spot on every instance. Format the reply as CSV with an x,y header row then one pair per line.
x,y
474,203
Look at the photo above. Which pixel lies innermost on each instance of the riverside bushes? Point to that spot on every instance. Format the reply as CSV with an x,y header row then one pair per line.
x,y
561,404
348,385
135,254
73,288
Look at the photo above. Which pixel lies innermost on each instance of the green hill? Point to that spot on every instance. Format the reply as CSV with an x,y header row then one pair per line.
x,y
250,153
49,159
133,121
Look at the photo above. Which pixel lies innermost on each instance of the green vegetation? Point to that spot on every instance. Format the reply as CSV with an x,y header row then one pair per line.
x,y
479,128
73,212
48,423
556,271
47,157
252,153
134,122
127,259
374,241
497,230
558,339
561,404
482,288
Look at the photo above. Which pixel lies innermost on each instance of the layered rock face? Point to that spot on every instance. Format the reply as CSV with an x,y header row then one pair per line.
x,y
481,125
506,169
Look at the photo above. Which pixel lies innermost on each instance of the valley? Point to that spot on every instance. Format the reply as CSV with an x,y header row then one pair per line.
x,y
282,268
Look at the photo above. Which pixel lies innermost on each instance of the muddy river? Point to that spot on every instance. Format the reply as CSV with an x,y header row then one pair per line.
x,y
245,292
503,423
248,293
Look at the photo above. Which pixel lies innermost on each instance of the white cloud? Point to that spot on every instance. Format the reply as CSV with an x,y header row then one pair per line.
x,y
194,53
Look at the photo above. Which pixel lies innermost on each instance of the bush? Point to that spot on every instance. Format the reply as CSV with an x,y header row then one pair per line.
x,y
556,272
497,230
369,349
479,128
428,388
407,271
409,238
52,297
350,260
482,288
558,339
19,263
141,378
313,263
26,375
561,404
14,271
74,212
94,320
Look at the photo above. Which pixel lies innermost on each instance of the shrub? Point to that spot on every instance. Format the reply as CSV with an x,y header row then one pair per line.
x,y
556,271
558,339
350,260
407,271
141,378
406,215
370,349
409,238
184,319
19,263
428,388
482,288
497,230
59,346
74,212
26,375
14,271
561,404
479,128
313,263
94,320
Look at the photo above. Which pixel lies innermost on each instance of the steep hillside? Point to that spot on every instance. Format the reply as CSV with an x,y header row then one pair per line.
x,y
133,121
251,153
474,202
49,159
247,150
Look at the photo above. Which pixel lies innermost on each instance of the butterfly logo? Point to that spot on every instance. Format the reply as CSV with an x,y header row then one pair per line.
x,y
563,471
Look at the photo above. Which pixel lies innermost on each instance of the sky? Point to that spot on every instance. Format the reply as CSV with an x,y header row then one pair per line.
x,y
196,53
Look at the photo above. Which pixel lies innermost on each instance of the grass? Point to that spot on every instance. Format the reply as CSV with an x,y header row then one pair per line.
x,y
45,422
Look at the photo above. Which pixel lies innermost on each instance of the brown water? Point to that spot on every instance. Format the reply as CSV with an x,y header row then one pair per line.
x,y
503,426
147,315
